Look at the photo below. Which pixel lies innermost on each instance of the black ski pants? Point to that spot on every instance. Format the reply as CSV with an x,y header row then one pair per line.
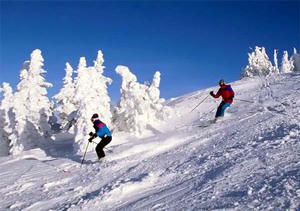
x,y
99,148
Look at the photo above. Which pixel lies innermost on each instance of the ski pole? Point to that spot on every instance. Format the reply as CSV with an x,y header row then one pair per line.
x,y
199,103
248,101
84,153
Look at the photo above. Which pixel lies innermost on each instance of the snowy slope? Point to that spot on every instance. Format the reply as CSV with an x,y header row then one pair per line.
x,y
249,161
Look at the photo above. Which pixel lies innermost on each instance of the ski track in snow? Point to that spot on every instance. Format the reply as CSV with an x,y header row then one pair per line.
x,y
249,161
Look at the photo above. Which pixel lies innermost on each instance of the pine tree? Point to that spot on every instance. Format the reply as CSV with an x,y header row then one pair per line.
x,y
129,109
258,63
296,60
91,96
65,98
140,106
275,68
286,65
5,126
32,108
160,110
100,82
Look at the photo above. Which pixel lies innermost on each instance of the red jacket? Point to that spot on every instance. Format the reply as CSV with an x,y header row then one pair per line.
x,y
226,92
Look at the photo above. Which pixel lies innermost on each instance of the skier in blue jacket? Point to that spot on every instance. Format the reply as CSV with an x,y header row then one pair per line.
x,y
101,131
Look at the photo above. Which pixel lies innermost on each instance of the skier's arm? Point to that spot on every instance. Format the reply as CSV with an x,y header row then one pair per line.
x,y
215,95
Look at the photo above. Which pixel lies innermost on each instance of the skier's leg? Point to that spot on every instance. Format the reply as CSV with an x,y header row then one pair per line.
x,y
107,140
99,149
223,108
219,110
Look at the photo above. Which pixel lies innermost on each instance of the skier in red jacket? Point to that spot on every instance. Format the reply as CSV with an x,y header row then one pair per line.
x,y
227,98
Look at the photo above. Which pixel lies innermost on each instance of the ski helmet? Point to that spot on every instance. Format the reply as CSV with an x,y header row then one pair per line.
x,y
95,116
221,82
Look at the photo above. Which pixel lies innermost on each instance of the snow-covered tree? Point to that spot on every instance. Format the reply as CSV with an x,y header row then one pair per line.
x,y
258,63
132,94
5,127
287,65
296,60
65,98
275,68
32,108
100,88
140,104
161,111
90,96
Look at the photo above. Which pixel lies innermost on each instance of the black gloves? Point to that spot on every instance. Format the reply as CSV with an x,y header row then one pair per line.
x,y
92,136
211,93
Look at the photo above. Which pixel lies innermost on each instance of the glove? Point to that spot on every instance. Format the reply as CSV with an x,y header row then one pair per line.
x,y
93,135
211,93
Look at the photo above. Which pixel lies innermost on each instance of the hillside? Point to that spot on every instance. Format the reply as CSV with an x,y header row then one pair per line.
x,y
248,161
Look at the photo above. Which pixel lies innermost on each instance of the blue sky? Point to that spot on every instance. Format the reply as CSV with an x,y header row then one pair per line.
x,y
192,43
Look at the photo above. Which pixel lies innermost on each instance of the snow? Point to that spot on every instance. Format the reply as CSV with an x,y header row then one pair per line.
x,y
248,161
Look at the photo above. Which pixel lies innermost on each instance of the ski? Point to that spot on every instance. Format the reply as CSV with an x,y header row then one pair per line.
x,y
66,171
206,123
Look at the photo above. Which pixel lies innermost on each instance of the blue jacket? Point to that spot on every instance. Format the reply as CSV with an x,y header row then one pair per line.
x,y
101,129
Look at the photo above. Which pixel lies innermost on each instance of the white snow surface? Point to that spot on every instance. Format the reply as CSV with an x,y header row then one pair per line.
x,y
248,161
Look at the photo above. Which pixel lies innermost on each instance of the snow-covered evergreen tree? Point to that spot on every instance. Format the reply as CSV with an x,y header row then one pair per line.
x,y
65,98
287,65
258,63
153,92
5,127
32,108
275,68
132,94
140,104
100,88
296,60
91,96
